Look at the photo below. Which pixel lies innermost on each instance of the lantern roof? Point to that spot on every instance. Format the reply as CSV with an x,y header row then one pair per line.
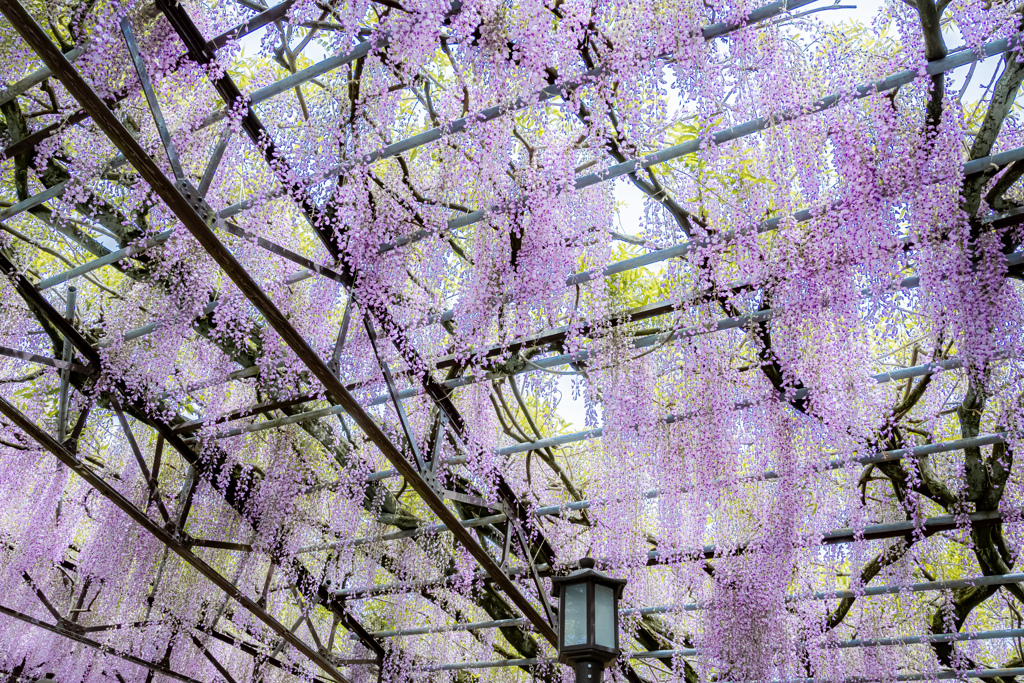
x,y
587,571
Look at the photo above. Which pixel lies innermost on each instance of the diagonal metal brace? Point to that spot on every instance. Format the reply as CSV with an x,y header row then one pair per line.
x,y
161,534
515,527
23,22
28,292
154,105
211,166
105,649
393,392
151,483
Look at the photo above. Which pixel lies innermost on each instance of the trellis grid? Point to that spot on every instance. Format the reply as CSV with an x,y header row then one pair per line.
x,y
466,503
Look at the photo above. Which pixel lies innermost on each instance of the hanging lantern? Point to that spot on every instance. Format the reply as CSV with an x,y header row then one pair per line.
x,y
588,620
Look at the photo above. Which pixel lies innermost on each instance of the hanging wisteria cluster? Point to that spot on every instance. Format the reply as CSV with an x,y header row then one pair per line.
x,y
726,295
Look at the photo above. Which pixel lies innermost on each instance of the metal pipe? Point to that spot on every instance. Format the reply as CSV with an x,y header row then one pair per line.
x,y
927,526
661,654
112,257
255,23
34,200
945,675
550,92
767,475
65,373
42,360
646,312
294,257
114,496
183,204
104,649
875,642
299,77
683,248
133,250
148,328
922,587
934,68
37,76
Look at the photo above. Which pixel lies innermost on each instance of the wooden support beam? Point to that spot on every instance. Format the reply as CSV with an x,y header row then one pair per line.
x,y
161,534
184,206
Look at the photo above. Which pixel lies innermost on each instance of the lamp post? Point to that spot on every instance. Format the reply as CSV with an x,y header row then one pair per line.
x,y
588,620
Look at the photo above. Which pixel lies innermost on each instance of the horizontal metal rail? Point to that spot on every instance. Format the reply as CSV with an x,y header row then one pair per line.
x,y
922,587
723,324
692,652
546,363
37,76
561,89
551,442
872,532
942,675
651,310
255,23
33,201
766,475
803,216
109,259
107,650
186,209
43,360
300,77
934,68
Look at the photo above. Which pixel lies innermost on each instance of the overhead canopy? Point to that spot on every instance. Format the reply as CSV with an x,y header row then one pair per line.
x,y
333,332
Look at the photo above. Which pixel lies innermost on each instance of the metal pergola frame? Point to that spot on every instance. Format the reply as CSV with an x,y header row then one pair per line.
x,y
188,204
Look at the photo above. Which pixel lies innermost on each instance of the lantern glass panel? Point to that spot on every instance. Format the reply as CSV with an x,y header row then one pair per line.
x,y
604,616
575,615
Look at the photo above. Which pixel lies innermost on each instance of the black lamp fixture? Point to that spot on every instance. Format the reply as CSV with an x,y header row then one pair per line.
x,y
588,620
